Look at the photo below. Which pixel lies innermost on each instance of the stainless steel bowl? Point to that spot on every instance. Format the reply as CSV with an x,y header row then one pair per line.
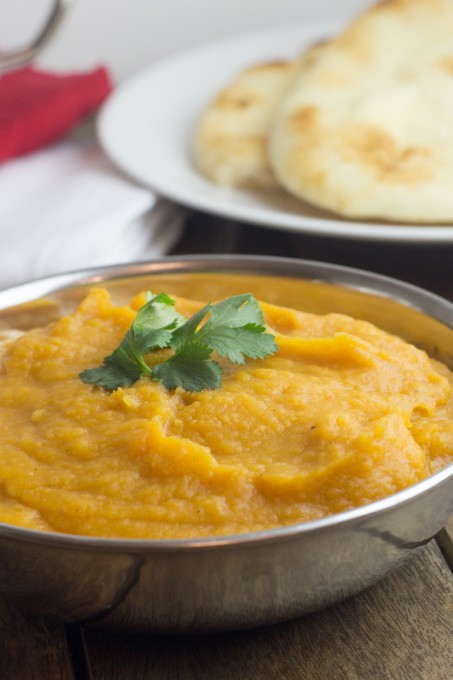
x,y
235,581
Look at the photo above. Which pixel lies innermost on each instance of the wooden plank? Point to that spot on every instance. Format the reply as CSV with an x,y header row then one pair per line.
x,y
32,647
445,542
399,628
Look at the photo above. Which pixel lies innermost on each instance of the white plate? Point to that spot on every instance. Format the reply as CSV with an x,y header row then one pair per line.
x,y
146,128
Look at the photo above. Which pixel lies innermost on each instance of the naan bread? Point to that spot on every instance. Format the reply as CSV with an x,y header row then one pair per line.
x,y
230,146
367,129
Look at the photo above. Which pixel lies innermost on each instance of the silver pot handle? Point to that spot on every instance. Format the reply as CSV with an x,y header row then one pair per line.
x,y
16,58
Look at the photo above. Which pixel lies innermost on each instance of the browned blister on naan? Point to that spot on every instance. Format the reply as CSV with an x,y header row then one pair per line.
x,y
366,130
230,145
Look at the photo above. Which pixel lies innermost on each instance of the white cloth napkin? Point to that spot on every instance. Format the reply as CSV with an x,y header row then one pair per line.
x,y
67,208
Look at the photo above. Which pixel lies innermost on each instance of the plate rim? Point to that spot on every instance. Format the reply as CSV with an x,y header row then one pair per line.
x,y
223,203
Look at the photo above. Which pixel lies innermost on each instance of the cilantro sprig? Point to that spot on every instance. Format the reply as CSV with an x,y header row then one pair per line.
x,y
233,328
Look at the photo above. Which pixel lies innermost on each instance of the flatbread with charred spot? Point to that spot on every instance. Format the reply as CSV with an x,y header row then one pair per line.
x,y
367,130
230,145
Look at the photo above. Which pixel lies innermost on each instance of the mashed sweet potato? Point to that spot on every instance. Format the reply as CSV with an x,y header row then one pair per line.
x,y
342,415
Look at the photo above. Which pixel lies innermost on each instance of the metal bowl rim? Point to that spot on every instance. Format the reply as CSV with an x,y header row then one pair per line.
x,y
253,264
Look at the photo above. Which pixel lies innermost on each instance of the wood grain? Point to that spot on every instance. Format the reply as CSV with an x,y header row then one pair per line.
x,y
400,628
445,542
32,647
428,265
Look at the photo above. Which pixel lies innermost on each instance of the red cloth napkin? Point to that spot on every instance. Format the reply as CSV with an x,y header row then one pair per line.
x,y
37,108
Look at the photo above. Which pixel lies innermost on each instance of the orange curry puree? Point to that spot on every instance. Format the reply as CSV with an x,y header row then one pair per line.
x,y
342,415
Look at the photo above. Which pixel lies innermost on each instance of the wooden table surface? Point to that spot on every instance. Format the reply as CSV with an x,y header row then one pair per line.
x,y
401,628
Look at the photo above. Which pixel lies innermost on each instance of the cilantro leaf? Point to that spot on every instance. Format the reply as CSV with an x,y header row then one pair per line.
x,y
233,328
112,374
186,333
152,329
235,311
237,343
191,368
